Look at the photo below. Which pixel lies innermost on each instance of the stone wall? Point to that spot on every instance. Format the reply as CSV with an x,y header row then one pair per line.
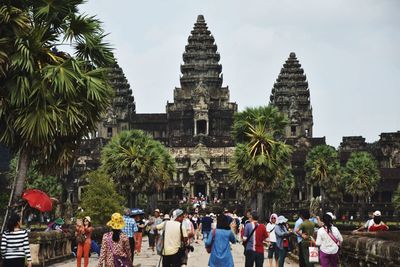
x,y
371,249
54,246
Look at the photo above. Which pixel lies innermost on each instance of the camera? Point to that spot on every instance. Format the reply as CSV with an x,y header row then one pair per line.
x,y
190,248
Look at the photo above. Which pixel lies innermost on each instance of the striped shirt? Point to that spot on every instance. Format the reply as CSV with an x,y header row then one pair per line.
x,y
15,245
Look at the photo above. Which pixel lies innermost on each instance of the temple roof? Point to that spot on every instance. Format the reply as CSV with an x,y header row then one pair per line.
x,y
201,59
291,82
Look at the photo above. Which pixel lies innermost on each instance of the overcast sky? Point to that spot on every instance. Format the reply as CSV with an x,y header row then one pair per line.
x,y
350,52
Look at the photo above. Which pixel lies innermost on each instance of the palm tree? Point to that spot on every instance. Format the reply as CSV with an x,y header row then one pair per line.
x,y
260,158
361,177
49,99
137,163
323,169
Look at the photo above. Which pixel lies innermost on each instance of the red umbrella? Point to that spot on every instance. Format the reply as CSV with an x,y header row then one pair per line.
x,y
38,199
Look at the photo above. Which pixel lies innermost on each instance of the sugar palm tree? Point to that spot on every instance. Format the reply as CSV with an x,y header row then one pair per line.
x,y
323,169
260,157
49,99
137,163
361,177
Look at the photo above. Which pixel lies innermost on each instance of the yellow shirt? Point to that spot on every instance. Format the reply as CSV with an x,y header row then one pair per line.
x,y
172,238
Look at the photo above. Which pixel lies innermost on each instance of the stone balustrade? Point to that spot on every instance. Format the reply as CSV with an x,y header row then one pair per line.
x,y
371,249
55,246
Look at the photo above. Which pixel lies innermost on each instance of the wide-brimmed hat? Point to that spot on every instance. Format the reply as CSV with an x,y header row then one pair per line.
x,y
88,219
59,221
282,219
166,217
116,222
157,210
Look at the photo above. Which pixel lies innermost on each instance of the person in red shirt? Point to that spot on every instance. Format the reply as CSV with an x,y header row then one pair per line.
x,y
253,239
378,225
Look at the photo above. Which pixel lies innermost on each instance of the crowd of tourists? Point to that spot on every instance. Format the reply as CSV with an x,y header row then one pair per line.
x,y
172,235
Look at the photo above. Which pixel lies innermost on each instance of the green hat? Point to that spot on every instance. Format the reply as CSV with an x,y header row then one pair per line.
x,y
59,221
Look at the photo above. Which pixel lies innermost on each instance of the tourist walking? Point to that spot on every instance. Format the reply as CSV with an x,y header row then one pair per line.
x,y
130,229
328,240
306,230
139,233
299,221
205,226
174,240
254,236
153,234
15,244
83,230
282,234
115,244
273,251
219,241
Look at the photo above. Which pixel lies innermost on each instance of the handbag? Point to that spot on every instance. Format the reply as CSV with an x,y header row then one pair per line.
x,y
313,252
244,243
208,248
119,261
80,238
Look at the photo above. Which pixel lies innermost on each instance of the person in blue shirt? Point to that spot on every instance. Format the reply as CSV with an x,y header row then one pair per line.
x,y
219,240
130,229
299,221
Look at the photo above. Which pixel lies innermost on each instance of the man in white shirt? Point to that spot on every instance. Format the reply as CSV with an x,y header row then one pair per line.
x,y
175,238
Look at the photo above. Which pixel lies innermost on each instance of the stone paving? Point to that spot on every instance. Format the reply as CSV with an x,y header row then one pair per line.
x,y
199,258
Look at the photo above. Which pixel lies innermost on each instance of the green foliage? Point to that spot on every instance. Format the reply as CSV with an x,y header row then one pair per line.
x,y
100,198
35,180
396,199
323,169
361,175
261,161
137,162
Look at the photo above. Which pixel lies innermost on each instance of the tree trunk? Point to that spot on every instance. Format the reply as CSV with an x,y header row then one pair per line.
x,y
253,203
260,205
362,208
323,200
23,166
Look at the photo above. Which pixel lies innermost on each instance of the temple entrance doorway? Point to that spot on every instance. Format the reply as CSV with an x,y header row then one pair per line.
x,y
200,189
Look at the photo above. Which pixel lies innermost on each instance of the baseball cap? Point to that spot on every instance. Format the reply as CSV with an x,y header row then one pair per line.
x,y
177,213
377,213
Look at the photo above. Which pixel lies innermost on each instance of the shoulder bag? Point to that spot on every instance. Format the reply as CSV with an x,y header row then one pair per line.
x,y
244,243
334,239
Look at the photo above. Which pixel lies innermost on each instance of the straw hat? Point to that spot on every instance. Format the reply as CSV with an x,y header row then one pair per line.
x,y
88,219
116,222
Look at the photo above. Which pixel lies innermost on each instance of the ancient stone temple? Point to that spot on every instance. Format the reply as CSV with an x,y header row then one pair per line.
x,y
292,97
196,126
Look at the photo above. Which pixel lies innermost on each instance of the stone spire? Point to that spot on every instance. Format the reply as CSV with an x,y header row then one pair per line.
x,y
291,96
201,59
118,116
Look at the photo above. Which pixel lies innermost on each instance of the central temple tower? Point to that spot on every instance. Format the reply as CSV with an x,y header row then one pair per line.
x,y
201,111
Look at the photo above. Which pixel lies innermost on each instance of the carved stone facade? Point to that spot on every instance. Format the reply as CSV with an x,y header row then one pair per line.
x,y
197,125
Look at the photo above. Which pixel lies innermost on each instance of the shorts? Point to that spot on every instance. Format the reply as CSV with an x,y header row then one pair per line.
x,y
273,250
